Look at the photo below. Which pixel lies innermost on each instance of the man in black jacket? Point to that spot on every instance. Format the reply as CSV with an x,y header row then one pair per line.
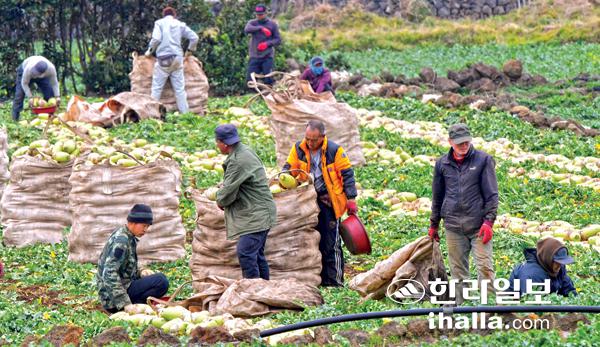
x,y
465,195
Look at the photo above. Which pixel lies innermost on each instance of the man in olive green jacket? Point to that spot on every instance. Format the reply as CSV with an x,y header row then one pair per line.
x,y
247,201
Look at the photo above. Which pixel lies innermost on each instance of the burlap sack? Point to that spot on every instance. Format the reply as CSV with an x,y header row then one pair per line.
x,y
419,260
196,82
4,175
292,248
289,118
121,108
249,297
35,203
101,197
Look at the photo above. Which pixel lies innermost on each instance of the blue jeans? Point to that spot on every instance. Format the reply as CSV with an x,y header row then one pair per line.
x,y
460,247
261,66
42,83
251,254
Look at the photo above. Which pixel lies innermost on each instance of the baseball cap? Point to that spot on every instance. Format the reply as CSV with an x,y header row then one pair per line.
x,y
227,133
260,9
459,133
562,257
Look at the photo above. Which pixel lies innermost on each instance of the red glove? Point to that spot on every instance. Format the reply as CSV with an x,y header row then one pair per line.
x,y
262,46
221,207
351,207
266,31
433,234
486,231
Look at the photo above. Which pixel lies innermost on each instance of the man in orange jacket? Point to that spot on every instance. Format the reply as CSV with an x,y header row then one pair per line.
x,y
336,191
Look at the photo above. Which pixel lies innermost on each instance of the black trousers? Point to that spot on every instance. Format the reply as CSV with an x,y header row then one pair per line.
x,y
330,246
155,285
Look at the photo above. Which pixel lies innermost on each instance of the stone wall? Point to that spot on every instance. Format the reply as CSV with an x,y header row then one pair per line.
x,y
405,8
474,8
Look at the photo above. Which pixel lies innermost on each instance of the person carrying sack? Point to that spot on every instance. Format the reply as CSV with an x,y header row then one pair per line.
x,y
166,42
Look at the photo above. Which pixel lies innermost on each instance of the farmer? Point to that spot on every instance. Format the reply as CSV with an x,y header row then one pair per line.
x,y
465,195
247,201
120,281
336,191
265,36
318,76
166,41
545,262
39,70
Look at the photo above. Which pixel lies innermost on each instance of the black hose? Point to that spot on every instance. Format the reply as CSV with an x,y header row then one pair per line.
x,y
426,311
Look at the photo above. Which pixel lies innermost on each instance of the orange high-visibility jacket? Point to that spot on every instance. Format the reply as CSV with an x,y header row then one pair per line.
x,y
337,171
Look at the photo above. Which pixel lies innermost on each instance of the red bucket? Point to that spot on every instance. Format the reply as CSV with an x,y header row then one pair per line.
x,y
355,236
48,109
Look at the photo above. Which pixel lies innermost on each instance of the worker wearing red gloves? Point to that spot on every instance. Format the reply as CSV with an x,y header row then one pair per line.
x,y
465,195
265,36
336,193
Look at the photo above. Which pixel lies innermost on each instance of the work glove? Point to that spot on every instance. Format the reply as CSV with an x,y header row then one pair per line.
x,y
266,31
351,207
433,234
262,46
148,52
486,231
147,272
221,207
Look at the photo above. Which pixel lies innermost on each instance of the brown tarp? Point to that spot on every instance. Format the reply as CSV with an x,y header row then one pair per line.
x,y
35,203
101,197
419,260
196,82
250,297
121,108
292,248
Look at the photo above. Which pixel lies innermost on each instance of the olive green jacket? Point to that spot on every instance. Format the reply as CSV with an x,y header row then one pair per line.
x,y
245,195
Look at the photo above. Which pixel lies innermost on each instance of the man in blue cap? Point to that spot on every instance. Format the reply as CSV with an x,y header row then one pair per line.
x,y
318,76
38,70
265,36
120,282
245,197
545,262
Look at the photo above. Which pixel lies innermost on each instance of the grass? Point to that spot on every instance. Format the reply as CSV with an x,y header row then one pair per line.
x,y
545,21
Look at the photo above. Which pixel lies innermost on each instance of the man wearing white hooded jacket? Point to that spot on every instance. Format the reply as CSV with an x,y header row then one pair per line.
x,y
166,42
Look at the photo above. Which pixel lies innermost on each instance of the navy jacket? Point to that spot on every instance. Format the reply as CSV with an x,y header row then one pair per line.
x,y
531,269
253,28
464,195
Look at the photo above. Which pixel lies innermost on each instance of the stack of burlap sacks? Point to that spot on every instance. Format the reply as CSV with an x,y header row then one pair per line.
x,y
43,199
291,113
292,248
196,82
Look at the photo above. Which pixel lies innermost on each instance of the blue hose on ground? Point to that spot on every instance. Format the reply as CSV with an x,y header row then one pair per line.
x,y
426,311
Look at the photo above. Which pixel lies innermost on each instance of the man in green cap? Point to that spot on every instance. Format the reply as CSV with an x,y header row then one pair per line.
x,y
465,195
248,203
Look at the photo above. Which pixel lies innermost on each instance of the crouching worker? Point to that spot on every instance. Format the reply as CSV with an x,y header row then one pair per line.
x,y
120,281
318,76
545,262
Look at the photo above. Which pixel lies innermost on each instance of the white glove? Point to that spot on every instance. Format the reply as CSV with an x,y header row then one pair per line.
x,y
148,53
146,272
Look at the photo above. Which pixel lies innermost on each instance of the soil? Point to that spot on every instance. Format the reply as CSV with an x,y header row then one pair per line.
x,y
210,336
108,336
154,337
